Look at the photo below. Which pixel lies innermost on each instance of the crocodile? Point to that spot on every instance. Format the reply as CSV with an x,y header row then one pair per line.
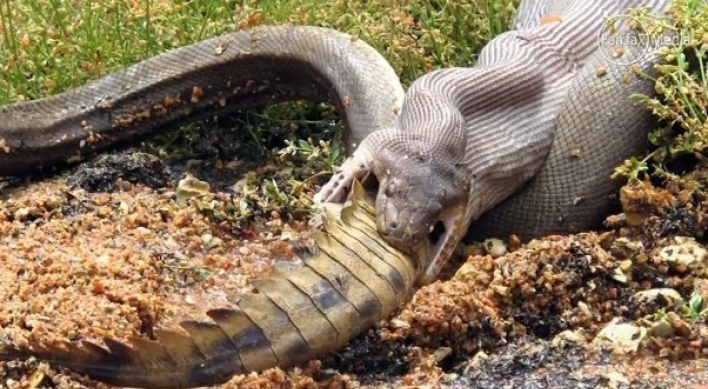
x,y
346,283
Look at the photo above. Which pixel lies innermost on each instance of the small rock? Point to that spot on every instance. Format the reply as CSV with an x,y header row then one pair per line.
x,y
143,231
165,212
584,308
514,243
104,212
661,328
652,295
465,272
399,323
686,253
501,290
124,208
494,247
53,203
623,248
35,380
190,187
606,240
569,336
209,241
102,260
21,214
679,325
700,287
616,379
620,337
620,276
477,360
442,353
72,335
287,236
626,266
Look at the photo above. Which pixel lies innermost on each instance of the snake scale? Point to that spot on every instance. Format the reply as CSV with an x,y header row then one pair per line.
x,y
523,142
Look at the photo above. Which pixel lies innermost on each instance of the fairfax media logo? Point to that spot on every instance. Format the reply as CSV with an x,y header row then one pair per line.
x,y
623,40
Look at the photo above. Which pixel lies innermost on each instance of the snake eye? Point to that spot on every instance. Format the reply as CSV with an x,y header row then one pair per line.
x,y
390,190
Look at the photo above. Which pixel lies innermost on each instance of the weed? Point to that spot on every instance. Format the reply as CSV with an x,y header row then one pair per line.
x,y
681,86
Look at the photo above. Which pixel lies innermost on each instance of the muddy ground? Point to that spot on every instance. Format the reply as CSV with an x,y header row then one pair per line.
x,y
103,248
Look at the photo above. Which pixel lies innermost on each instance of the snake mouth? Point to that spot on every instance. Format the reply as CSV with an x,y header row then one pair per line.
x,y
371,186
437,233
430,249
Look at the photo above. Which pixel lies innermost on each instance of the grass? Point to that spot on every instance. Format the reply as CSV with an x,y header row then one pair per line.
x,y
681,83
49,46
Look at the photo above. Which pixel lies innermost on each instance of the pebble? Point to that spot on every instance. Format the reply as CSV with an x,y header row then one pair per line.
x,y
209,241
623,338
652,295
495,247
686,252
441,353
399,323
661,328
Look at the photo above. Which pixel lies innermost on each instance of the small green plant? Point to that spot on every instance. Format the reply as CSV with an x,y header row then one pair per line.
x,y
285,186
47,47
319,159
681,86
635,170
660,315
696,309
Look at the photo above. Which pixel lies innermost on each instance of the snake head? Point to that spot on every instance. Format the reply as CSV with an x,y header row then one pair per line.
x,y
417,193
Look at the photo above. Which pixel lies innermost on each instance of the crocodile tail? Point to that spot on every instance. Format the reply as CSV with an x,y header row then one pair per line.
x,y
348,282
169,362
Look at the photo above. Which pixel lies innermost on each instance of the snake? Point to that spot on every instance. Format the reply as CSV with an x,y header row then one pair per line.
x,y
523,142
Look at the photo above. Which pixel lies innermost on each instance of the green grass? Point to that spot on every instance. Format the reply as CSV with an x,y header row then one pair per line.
x,y
48,46
681,83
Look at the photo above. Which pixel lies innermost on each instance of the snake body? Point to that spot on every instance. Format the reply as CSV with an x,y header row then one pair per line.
x,y
523,142
540,121
236,71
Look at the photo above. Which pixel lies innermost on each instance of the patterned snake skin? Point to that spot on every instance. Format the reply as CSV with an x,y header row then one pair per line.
x,y
535,106
524,142
535,119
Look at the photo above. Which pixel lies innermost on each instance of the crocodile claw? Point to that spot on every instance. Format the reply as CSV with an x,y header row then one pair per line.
x,y
337,188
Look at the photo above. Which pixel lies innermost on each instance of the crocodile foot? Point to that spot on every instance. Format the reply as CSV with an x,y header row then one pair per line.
x,y
337,188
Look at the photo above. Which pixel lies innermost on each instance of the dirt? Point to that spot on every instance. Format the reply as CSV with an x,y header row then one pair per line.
x,y
104,249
